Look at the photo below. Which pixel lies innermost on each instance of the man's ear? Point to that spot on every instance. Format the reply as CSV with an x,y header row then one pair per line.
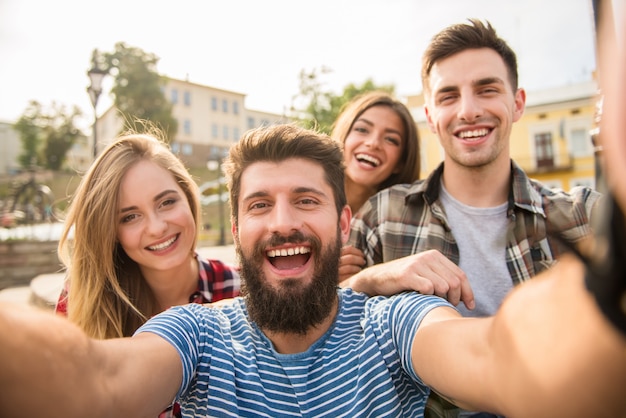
x,y
520,104
344,223
234,231
429,119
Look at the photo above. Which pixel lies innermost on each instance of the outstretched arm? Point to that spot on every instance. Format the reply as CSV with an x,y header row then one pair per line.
x,y
74,376
548,351
428,272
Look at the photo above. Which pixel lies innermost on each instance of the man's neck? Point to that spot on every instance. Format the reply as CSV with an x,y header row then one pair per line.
x,y
486,186
290,343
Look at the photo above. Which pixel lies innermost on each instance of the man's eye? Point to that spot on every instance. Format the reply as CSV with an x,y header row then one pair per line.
x,y
490,90
260,205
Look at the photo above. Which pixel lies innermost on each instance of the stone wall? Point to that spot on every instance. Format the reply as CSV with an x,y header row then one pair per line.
x,y
23,260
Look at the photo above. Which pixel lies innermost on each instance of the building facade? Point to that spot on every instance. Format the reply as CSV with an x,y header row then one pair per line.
x,y
209,119
551,142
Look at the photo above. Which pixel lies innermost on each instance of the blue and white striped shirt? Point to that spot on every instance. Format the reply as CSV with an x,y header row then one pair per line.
x,y
361,367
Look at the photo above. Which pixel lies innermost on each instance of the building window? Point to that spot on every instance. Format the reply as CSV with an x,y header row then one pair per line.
x,y
251,124
187,98
236,108
235,134
214,103
225,106
214,130
175,147
225,132
187,149
174,96
187,127
580,142
545,152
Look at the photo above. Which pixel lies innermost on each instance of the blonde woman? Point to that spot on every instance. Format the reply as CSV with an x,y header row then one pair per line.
x,y
129,242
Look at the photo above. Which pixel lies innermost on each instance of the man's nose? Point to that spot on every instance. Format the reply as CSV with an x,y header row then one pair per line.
x,y
470,108
284,218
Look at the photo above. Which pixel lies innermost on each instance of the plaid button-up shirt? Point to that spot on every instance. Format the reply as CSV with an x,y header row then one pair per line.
x,y
409,218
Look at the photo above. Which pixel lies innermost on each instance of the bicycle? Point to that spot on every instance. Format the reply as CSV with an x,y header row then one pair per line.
x,y
30,203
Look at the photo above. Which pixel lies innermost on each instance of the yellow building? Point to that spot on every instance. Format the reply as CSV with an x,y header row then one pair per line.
x,y
552,141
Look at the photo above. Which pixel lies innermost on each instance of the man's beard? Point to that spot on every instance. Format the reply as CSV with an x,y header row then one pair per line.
x,y
293,307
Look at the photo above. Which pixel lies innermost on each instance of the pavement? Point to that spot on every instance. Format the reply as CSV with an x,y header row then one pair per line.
x,y
44,289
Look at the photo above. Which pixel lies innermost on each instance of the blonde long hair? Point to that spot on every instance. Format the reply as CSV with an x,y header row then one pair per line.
x,y
108,296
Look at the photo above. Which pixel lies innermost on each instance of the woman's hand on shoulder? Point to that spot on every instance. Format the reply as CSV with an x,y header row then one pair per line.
x,y
351,261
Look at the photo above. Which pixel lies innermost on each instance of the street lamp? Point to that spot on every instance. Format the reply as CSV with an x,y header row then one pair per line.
x,y
96,75
215,163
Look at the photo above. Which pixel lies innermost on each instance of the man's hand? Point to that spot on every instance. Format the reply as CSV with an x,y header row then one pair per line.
x,y
428,272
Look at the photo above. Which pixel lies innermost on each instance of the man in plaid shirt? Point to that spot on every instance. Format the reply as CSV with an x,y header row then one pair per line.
x,y
478,208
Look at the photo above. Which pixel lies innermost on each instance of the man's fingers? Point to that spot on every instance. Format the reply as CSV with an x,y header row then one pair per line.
x,y
467,294
449,281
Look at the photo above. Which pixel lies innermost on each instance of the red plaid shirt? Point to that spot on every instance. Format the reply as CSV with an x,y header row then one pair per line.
x,y
216,281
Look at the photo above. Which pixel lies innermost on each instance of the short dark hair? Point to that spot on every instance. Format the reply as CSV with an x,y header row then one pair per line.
x,y
459,37
278,143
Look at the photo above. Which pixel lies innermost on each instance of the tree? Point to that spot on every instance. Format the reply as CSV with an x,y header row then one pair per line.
x,y
138,88
60,135
47,134
321,108
30,135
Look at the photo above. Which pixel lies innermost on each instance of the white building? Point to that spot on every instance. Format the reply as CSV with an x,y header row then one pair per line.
x,y
209,119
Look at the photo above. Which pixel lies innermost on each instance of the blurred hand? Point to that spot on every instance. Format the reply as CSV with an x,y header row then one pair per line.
x,y
351,262
428,272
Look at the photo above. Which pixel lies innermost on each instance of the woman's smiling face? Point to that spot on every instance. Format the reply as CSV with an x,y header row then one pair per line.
x,y
155,226
374,145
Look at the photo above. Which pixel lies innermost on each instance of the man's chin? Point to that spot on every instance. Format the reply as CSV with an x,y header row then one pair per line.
x,y
291,304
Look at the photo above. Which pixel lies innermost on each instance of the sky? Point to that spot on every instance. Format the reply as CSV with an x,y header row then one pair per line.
x,y
259,47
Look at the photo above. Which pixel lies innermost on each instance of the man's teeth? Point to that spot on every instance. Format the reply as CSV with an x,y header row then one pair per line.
x,y
162,245
473,134
374,161
288,251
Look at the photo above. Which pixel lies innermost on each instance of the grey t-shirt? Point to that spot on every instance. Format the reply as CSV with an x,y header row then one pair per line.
x,y
480,234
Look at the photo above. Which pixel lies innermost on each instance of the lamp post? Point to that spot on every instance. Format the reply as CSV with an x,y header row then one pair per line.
x,y
96,75
215,163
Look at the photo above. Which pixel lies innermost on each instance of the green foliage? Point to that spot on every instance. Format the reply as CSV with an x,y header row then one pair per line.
x,y
320,108
30,135
47,134
138,89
